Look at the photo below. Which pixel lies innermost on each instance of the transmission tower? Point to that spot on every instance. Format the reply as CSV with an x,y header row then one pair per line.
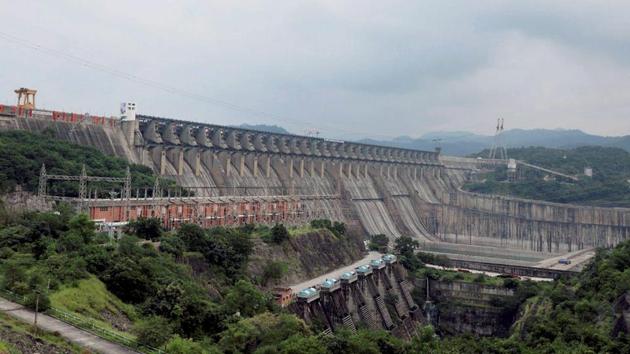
x,y
498,150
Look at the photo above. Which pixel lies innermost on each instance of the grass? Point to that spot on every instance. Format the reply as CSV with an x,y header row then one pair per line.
x,y
301,230
20,328
89,300
264,232
6,348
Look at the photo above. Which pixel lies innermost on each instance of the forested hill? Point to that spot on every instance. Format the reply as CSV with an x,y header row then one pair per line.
x,y
609,185
22,155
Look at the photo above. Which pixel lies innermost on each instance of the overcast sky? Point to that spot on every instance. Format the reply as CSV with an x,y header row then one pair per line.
x,y
346,68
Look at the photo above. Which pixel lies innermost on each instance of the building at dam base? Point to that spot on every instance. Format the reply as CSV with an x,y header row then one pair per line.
x,y
373,189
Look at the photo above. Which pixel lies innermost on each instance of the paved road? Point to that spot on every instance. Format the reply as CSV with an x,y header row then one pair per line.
x,y
72,334
578,260
335,273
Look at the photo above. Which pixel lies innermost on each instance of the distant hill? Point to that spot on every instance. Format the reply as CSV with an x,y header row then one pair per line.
x,y
609,185
466,143
265,128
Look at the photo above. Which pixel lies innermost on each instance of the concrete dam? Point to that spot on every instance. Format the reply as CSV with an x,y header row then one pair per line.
x,y
373,189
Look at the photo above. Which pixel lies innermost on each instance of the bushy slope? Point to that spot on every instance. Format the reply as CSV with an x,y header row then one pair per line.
x,y
22,155
608,187
90,298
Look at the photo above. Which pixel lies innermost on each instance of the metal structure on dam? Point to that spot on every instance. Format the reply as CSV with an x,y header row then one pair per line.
x,y
375,295
374,189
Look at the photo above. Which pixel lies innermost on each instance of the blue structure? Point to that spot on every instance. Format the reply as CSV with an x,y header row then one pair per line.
x,y
308,295
390,258
377,264
364,270
349,277
331,284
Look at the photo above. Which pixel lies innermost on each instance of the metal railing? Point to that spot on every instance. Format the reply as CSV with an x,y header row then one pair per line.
x,y
87,325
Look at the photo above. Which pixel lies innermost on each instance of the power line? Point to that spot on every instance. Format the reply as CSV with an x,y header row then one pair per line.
x,y
160,86
137,79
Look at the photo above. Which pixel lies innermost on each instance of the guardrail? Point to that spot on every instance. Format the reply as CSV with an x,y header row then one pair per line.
x,y
86,325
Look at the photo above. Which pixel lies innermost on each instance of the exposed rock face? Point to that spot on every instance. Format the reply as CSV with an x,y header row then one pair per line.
x,y
462,307
308,255
19,201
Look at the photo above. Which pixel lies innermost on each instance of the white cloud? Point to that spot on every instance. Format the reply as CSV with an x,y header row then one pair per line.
x,y
362,67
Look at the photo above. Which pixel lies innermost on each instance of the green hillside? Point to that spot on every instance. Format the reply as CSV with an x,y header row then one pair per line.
x,y
22,155
609,185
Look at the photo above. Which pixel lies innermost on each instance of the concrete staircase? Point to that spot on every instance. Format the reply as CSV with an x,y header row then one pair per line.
x,y
382,309
367,318
347,322
407,296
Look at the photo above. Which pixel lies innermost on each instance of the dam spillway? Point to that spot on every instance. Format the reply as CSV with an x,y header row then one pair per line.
x,y
381,190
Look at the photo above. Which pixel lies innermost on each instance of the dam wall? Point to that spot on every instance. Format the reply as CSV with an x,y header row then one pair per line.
x,y
375,296
373,189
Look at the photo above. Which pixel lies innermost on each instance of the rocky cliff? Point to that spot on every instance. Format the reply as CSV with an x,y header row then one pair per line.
x,y
307,255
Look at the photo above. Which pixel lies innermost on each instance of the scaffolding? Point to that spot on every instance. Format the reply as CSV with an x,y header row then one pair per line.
x,y
83,180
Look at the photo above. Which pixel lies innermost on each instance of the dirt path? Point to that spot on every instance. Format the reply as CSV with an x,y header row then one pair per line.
x,y
67,331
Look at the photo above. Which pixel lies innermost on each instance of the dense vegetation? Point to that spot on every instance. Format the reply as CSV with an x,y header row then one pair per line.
x,y
22,155
609,185
222,310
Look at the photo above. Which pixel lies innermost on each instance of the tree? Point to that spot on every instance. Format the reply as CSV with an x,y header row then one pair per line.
x,y
82,226
405,246
338,228
279,233
14,274
172,245
265,329
145,228
126,279
378,243
153,331
273,271
321,224
244,298
193,236
179,345
37,298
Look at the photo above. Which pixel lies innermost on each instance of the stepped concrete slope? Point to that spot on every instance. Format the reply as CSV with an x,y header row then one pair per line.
x,y
382,189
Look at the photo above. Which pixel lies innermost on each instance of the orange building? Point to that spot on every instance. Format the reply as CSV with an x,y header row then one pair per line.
x,y
206,212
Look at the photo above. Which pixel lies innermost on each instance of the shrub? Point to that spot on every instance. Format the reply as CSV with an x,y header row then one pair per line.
x,y
279,233
193,236
145,228
321,224
179,345
153,331
172,245
273,271
246,299
378,243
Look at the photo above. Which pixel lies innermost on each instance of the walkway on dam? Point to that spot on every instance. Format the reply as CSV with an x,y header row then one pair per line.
x,y
578,259
72,334
335,273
